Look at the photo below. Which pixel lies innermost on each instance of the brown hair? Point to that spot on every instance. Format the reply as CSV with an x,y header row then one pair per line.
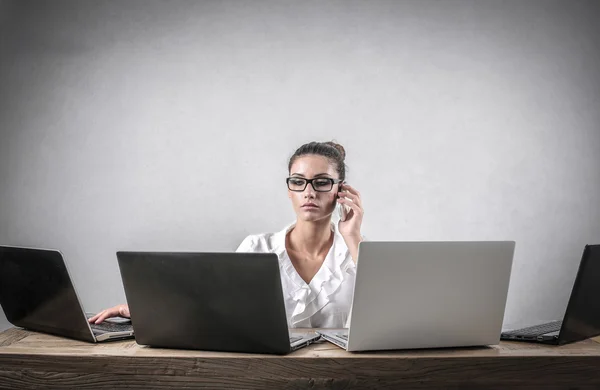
x,y
331,150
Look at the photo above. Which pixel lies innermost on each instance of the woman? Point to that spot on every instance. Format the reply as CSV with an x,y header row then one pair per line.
x,y
317,259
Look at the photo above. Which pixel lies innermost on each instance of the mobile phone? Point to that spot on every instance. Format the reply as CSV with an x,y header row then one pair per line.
x,y
343,209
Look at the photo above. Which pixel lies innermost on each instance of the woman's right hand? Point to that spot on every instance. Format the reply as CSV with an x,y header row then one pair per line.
x,y
119,310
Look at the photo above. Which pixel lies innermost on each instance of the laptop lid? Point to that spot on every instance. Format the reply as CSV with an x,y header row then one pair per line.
x,y
209,301
429,294
582,316
36,292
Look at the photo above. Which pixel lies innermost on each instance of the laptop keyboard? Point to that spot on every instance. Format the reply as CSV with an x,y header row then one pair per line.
x,y
342,336
105,327
293,339
536,330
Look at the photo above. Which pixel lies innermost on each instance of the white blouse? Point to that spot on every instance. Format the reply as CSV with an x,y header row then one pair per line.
x,y
323,303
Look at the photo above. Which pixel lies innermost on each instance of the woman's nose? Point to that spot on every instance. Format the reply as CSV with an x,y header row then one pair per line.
x,y
309,191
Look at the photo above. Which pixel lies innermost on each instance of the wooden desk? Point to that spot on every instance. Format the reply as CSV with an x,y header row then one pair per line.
x,y
34,360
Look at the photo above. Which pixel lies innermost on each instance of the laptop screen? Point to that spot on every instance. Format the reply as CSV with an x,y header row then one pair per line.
x,y
36,293
211,301
582,318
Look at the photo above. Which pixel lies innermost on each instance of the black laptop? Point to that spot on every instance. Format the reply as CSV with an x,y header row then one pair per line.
x,y
36,292
208,301
582,317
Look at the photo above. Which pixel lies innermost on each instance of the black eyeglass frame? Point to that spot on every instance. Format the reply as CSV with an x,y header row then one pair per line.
x,y
307,181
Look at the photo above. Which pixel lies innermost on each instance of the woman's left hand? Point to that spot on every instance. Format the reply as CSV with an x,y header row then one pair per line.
x,y
350,228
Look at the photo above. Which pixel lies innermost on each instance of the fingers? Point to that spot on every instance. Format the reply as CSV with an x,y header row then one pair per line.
x,y
119,310
351,194
104,315
124,311
94,318
356,208
351,189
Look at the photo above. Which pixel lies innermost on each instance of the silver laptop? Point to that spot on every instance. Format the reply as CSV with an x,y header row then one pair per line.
x,y
427,295
36,292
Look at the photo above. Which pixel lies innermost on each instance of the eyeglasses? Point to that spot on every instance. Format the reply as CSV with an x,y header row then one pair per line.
x,y
319,184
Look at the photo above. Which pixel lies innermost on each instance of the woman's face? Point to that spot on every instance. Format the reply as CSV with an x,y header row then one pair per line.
x,y
311,205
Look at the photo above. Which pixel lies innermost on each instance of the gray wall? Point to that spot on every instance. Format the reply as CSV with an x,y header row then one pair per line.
x,y
167,126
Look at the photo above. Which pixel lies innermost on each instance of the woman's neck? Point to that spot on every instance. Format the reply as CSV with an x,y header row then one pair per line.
x,y
311,237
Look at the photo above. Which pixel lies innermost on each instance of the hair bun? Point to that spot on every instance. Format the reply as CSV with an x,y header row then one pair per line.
x,y
337,147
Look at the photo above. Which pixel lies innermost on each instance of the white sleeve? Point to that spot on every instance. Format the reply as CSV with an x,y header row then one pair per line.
x,y
248,245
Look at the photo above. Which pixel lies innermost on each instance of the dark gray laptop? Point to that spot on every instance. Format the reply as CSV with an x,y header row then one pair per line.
x,y
36,292
209,301
582,316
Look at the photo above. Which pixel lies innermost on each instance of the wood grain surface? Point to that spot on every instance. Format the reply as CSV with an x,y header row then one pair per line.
x,y
35,360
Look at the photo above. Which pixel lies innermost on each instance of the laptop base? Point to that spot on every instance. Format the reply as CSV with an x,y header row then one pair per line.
x,y
546,333
339,338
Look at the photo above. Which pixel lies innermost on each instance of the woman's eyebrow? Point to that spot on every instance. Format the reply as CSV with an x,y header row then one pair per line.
x,y
318,174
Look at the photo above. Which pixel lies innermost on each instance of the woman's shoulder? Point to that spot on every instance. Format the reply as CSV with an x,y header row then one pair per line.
x,y
263,242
